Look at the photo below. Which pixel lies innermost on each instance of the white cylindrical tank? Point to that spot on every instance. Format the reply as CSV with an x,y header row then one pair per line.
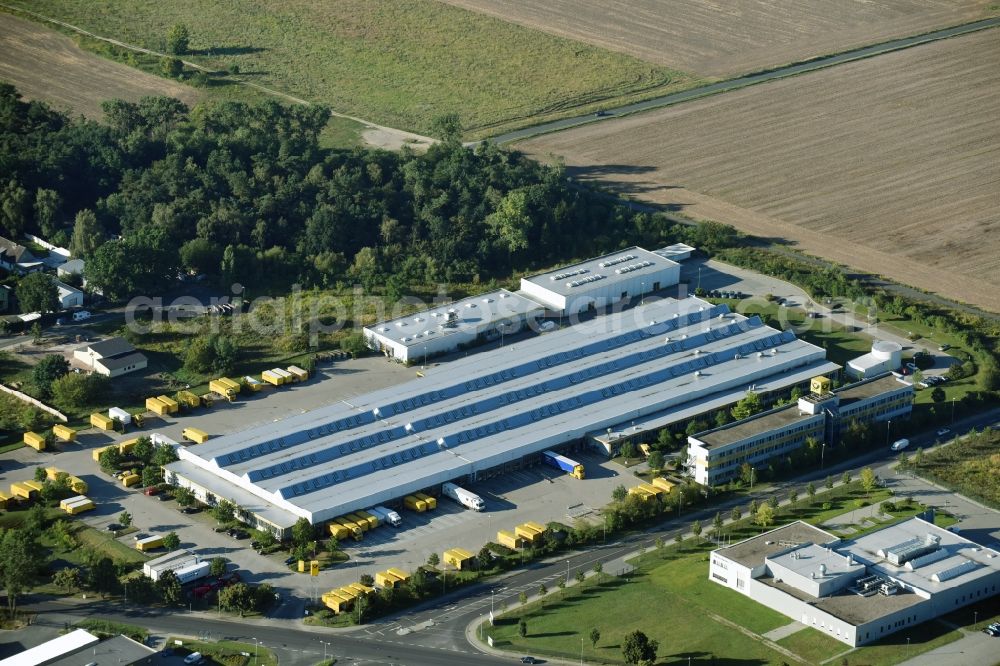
x,y
892,352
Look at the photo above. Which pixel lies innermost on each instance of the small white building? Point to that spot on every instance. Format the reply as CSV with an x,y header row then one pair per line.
x,y
676,252
71,267
443,329
112,357
885,356
69,297
602,281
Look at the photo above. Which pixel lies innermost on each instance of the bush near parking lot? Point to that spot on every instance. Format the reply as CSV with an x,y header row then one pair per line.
x,y
108,629
968,465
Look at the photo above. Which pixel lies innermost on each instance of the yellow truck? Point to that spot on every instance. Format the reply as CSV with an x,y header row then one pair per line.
x,y
428,500
414,504
64,433
509,539
225,389
207,399
360,521
34,440
356,532
272,378
372,520
130,480
148,543
458,558
195,435
338,531
297,373
662,483
157,406
172,405
102,421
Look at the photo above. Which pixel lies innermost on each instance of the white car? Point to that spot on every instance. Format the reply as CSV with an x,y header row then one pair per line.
x,y
194,658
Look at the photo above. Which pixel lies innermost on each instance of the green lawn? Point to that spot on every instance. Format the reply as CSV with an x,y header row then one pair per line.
x,y
225,653
813,645
396,62
894,649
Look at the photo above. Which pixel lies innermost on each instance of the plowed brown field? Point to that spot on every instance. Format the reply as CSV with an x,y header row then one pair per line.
x,y
47,66
890,165
726,37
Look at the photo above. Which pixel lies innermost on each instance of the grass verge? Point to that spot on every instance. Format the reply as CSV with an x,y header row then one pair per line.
x,y
224,653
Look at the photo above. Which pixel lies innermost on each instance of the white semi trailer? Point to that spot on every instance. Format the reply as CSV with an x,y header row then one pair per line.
x,y
466,498
386,516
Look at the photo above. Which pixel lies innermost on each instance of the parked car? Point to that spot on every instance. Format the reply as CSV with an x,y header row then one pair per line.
x,y
188,510
238,534
194,658
113,527
941,432
528,660
944,347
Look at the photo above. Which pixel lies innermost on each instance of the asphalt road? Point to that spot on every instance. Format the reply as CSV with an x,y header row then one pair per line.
x,y
749,80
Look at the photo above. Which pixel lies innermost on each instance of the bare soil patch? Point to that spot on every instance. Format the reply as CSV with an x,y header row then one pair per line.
x,y
50,67
727,37
890,165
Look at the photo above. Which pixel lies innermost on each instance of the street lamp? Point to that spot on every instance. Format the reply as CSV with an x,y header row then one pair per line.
x,y
324,648
424,366
255,644
888,427
752,470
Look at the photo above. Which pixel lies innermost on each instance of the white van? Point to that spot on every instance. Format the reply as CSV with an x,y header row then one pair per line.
x,y
900,444
194,658
81,315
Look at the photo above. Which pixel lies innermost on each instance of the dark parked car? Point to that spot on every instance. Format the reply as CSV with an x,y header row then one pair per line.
x,y
238,534
113,527
188,509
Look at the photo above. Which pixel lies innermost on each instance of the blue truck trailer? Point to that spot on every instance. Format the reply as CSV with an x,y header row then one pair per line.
x,y
571,467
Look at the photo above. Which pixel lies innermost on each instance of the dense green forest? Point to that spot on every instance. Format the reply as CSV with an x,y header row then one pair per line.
x,y
245,192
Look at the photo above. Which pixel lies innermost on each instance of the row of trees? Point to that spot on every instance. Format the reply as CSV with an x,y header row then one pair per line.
x,y
246,192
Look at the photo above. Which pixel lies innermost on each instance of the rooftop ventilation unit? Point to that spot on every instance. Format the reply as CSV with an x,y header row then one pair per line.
x,y
568,274
617,260
955,571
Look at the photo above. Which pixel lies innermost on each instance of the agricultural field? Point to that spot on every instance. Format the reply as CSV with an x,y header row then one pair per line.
x,y
720,38
889,165
396,62
50,67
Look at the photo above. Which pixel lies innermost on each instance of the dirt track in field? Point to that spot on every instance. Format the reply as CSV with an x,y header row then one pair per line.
x,y
728,37
48,66
890,165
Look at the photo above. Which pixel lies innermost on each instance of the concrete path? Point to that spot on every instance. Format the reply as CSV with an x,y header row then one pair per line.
x,y
973,648
784,632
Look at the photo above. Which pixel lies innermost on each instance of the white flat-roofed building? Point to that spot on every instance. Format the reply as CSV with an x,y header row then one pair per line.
x,y
80,647
676,252
498,409
444,328
860,591
602,281
885,356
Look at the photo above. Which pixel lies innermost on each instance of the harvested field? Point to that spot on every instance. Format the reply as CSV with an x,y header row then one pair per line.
x,y
727,37
50,67
890,165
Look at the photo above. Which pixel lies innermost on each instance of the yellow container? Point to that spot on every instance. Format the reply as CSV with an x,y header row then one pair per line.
x,y
131,480
71,500
172,405
458,558
414,504
428,500
222,388
80,507
188,400
96,453
509,539
254,385
207,399
337,603
528,534
535,526
34,440
271,378
231,383
354,529
302,566
641,493
372,520
386,579
195,435
662,483
399,573
338,531
22,490
149,543
298,374
127,445
64,433
360,521
655,490
101,421
78,485
156,406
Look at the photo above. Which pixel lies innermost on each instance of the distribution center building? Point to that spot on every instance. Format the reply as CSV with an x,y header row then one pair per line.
x,y
445,328
603,281
859,591
494,411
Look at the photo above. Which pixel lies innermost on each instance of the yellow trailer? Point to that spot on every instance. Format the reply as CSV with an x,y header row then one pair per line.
x,y
71,500
338,531
298,374
286,377
223,389
372,520
172,405
34,440
399,573
360,521
22,491
195,435
458,558
509,539
272,378
149,543
414,504
130,480
64,433
157,406
662,483
428,500
231,383
101,421
354,529
530,535
79,507
127,445
387,579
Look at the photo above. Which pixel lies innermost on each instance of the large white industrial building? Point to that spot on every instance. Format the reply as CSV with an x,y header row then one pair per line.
x,y
445,328
495,410
603,281
861,590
